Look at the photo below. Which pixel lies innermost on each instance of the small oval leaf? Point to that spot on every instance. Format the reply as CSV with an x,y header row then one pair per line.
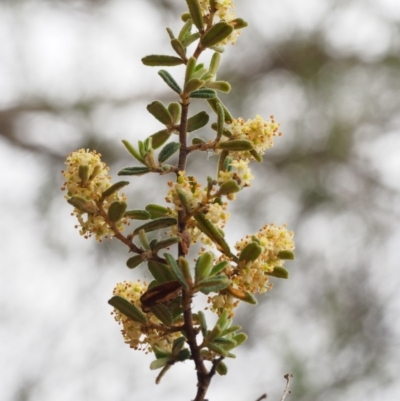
x,y
156,60
170,81
157,210
127,309
203,93
134,171
134,261
114,188
160,112
235,145
216,34
167,151
197,121
116,211
156,224
279,272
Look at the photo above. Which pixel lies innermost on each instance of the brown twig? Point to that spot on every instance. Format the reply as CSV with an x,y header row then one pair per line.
x,y
287,391
262,397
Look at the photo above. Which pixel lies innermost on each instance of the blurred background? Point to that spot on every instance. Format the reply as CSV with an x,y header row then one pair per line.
x,y
71,77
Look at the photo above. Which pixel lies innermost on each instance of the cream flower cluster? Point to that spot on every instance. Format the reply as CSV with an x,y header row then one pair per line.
x,y
137,335
240,172
272,239
225,12
197,197
259,132
90,188
251,275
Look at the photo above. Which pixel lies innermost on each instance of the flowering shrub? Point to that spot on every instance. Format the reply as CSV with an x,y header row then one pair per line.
x,y
159,316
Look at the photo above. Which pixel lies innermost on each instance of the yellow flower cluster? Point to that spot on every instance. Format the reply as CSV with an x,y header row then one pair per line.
x,y
251,275
272,239
240,172
225,12
87,177
197,198
259,132
137,335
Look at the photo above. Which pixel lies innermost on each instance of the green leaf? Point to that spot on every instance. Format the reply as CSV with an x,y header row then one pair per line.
x,y
83,173
250,252
239,23
216,34
127,309
219,350
235,145
156,224
134,171
178,345
144,240
184,201
175,269
186,30
195,13
161,272
286,254
214,284
179,48
185,269
197,121
132,151
212,232
220,120
170,81
114,188
168,150
203,93
157,210
162,313
218,268
176,110
240,338
214,63
202,323
256,156
190,39
279,272
213,104
193,84
224,161
190,69
83,204
221,86
155,60
228,187
137,214
159,363
160,112
222,369
183,355
165,243
225,342
245,296
159,138
116,211
198,141
134,261
203,266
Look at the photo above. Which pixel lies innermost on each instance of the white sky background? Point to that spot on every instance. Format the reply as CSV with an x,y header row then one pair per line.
x,y
56,332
